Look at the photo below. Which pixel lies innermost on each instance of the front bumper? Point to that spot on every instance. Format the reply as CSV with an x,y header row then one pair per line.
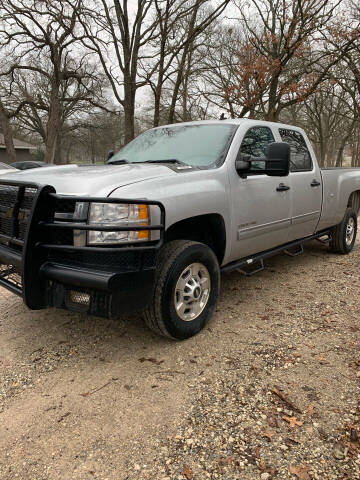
x,y
39,262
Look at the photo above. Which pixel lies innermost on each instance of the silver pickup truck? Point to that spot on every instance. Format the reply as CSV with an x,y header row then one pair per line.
x,y
153,229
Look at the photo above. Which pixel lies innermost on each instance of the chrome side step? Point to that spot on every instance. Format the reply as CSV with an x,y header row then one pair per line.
x,y
326,240
292,248
252,268
294,251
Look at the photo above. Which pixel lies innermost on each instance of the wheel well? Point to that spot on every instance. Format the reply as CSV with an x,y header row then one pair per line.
x,y
354,201
208,229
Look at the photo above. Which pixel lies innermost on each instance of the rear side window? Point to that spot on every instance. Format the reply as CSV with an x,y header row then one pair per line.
x,y
300,158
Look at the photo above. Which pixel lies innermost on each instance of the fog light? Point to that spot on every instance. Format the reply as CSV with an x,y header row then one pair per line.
x,y
80,298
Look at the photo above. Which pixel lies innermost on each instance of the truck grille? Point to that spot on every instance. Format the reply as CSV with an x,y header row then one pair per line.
x,y
15,209
11,274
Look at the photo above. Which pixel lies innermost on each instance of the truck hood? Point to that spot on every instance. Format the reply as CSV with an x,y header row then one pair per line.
x,y
95,180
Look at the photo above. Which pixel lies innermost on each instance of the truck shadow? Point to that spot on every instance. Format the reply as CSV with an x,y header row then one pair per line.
x,y
67,336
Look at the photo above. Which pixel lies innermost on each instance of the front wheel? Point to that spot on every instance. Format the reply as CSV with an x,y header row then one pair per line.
x,y
344,234
186,289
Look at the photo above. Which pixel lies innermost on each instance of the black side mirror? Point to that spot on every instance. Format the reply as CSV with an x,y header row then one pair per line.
x,y
278,159
110,154
275,164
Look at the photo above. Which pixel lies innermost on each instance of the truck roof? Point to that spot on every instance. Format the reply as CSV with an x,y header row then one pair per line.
x,y
235,121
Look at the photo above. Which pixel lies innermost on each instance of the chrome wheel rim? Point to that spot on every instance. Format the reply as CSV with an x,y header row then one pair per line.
x,y
350,231
192,291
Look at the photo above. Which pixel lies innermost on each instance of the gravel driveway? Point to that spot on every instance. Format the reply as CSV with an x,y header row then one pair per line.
x,y
269,390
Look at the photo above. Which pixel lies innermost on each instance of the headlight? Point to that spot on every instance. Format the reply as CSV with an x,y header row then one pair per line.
x,y
118,215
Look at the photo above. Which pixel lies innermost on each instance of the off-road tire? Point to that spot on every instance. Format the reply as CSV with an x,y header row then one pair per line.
x,y
160,315
338,242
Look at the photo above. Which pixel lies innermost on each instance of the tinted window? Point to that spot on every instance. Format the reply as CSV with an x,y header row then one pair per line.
x,y
300,158
196,145
255,143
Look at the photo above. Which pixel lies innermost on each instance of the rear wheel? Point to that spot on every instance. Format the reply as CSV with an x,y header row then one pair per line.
x,y
186,289
344,234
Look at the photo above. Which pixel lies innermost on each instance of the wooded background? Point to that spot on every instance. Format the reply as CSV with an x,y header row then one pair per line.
x,y
81,77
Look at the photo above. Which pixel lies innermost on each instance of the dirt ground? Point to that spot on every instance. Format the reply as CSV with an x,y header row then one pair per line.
x,y
269,390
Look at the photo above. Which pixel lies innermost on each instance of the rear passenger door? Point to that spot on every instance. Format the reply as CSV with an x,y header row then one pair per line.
x,y
305,183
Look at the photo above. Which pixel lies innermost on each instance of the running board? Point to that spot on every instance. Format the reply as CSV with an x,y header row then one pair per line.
x,y
326,240
260,257
254,268
295,251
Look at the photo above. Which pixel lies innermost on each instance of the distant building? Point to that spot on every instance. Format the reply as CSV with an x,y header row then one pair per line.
x,y
23,150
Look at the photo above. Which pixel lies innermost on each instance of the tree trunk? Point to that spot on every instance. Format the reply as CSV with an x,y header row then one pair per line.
x,y
159,85
339,156
156,120
174,98
272,114
7,132
188,46
58,160
129,110
53,125
129,122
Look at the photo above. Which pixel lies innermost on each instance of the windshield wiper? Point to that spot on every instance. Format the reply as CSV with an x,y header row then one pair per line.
x,y
165,160
121,161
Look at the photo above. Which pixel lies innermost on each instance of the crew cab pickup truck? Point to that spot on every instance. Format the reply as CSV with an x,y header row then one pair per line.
x,y
153,229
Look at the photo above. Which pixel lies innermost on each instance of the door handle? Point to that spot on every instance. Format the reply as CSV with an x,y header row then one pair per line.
x,y
315,183
282,188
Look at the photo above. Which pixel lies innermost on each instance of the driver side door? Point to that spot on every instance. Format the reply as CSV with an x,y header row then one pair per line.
x,y
261,206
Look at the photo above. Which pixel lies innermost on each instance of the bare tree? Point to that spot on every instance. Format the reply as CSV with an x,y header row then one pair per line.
x,y
76,100
33,30
119,38
197,23
145,46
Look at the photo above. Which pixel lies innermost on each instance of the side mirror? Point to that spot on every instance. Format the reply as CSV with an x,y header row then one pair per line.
x,y
109,155
275,164
278,159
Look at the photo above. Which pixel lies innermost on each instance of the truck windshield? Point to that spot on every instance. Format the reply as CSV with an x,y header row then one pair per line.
x,y
195,145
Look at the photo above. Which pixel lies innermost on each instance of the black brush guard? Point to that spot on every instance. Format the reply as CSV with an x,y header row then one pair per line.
x,y
46,270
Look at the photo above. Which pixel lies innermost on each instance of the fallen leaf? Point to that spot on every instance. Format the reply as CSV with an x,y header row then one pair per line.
x,y
302,473
187,472
86,394
268,434
311,410
293,421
